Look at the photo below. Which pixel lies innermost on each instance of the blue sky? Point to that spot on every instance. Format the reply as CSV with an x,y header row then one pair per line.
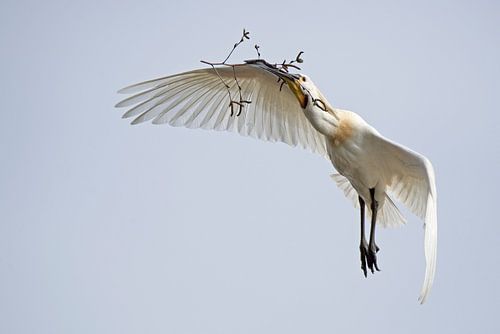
x,y
109,228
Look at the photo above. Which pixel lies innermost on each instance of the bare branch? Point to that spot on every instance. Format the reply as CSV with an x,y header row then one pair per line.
x,y
245,35
241,102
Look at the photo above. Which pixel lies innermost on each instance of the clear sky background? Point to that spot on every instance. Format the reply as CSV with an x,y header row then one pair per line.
x,y
112,228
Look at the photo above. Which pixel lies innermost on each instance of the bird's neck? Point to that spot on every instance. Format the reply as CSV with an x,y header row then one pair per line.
x,y
322,115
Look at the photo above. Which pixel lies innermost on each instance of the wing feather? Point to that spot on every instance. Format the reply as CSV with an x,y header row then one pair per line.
x,y
160,97
141,86
410,179
170,100
154,91
193,121
199,99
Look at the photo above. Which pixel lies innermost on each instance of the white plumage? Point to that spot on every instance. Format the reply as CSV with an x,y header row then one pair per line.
x,y
372,169
198,99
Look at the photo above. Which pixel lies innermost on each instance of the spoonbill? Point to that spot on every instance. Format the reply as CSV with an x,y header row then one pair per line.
x,y
277,106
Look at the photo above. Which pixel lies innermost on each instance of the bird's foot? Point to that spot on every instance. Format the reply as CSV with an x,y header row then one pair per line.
x,y
363,250
371,257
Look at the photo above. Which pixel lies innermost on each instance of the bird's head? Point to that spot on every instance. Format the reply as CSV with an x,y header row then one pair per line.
x,y
306,92
302,87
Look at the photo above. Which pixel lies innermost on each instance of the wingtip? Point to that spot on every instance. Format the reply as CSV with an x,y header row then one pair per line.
x,y
122,90
130,89
136,121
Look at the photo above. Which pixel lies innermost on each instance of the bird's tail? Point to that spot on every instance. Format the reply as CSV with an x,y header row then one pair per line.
x,y
389,214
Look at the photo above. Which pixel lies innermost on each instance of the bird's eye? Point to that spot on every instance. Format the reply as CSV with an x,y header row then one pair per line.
x,y
303,79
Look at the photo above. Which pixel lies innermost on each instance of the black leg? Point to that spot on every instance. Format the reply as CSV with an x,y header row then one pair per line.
x,y
372,247
363,246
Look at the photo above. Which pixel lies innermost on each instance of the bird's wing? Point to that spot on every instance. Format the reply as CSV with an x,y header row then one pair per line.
x,y
411,180
199,99
389,214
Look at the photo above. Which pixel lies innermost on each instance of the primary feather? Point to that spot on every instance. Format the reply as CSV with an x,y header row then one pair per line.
x,y
199,99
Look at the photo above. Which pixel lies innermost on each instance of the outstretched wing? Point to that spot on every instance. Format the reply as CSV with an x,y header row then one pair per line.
x,y
411,180
200,99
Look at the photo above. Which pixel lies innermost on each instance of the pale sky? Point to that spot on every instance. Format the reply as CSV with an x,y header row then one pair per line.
x,y
112,228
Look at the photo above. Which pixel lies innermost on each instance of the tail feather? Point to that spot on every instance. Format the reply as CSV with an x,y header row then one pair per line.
x,y
388,215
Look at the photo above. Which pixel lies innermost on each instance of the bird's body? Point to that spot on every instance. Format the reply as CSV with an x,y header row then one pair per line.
x,y
371,169
348,147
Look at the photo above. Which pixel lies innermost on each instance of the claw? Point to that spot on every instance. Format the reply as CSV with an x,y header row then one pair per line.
x,y
371,258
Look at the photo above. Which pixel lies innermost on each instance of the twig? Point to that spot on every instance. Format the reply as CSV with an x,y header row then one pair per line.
x,y
243,37
283,67
319,103
257,49
242,102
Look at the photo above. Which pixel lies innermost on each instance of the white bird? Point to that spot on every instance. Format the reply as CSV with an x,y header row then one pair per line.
x,y
372,170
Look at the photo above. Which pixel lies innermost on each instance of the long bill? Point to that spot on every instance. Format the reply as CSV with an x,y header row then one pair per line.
x,y
294,86
291,80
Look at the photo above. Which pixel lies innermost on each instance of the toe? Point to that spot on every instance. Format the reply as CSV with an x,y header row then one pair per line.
x,y
362,251
372,260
